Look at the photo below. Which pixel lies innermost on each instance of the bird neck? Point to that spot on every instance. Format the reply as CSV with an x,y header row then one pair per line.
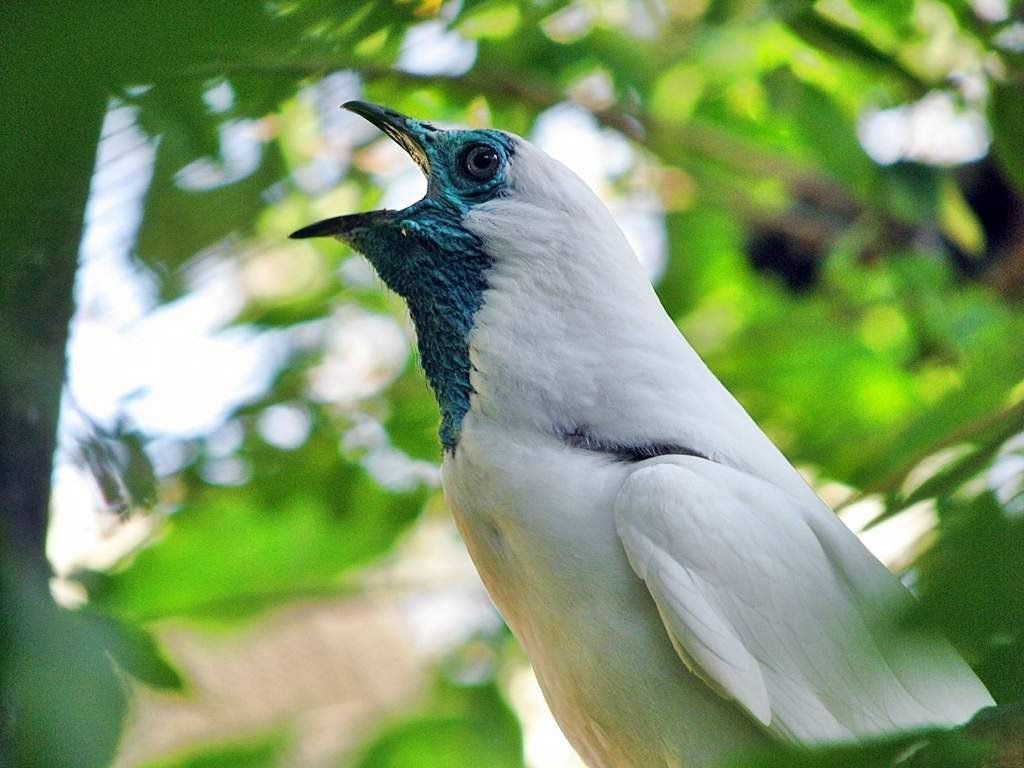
x,y
571,335
442,329
441,273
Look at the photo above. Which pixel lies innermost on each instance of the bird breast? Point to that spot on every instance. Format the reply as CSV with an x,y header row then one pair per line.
x,y
536,517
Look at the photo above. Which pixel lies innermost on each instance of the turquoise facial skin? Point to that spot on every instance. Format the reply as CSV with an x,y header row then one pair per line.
x,y
424,253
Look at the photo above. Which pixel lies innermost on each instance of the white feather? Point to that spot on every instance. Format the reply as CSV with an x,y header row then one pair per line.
x,y
797,611
754,614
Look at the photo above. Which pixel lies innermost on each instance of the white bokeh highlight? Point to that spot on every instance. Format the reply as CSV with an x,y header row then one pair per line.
x,y
933,130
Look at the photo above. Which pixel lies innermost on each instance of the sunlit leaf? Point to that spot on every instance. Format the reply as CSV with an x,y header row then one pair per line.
x,y
291,531
846,44
459,727
896,13
256,752
495,19
677,92
372,44
958,221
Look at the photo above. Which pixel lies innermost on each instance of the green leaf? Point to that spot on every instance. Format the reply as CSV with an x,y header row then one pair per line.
x,y
846,44
413,417
62,701
895,13
137,652
959,223
256,752
780,366
991,435
972,583
372,44
461,727
303,519
882,754
677,92
180,222
911,192
1006,114
826,130
965,414
706,259
495,20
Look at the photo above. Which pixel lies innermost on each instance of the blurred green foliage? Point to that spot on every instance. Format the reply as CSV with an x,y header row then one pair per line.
x,y
306,515
463,726
868,315
256,752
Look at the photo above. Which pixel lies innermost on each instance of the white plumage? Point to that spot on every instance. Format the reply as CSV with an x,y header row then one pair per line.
x,y
680,608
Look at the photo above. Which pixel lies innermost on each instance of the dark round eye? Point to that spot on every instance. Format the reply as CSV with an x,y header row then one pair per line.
x,y
481,162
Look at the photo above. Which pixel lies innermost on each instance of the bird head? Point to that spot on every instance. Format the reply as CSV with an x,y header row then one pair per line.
x,y
464,168
424,252
501,218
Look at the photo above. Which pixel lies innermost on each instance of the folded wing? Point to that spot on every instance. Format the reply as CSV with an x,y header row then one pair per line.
x,y
776,605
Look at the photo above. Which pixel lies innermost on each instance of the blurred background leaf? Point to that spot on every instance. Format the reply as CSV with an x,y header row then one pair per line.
x,y
255,752
463,726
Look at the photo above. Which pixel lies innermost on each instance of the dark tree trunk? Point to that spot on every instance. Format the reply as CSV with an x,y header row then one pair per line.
x,y
47,155
59,696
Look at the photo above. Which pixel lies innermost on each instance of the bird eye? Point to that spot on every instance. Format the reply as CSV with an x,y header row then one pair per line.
x,y
481,162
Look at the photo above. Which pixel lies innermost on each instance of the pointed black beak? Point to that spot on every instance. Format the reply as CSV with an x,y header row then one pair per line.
x,y
411,135
340,226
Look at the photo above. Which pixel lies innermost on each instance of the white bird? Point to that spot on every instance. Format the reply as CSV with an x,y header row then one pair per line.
x,y
681,592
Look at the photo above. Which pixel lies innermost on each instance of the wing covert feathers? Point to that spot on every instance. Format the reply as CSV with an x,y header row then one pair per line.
x,y
778,606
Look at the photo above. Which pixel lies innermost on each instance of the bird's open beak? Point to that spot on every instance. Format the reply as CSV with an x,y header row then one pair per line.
x,y
411,135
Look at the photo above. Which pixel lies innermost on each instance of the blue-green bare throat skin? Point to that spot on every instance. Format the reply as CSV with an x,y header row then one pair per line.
x,y
424,253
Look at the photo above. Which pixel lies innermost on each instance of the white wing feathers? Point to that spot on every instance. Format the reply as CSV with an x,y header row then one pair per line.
x,y
775,604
